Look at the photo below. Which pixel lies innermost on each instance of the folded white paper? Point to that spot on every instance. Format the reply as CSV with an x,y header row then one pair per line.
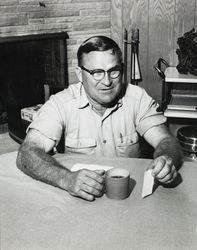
x,y
148,183
92,167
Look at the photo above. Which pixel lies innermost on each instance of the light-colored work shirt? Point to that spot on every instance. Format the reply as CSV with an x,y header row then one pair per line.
x,y
115,134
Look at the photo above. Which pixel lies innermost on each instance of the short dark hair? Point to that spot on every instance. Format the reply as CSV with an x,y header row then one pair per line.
x,y
98,43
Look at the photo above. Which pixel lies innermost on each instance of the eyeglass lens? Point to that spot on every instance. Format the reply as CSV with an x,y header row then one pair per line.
x,y
99,75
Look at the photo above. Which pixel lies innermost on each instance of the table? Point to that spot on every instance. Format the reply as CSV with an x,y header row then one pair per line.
x,y
37,216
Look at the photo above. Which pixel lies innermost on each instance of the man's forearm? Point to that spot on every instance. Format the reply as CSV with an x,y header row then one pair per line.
x,y
170,146
41,166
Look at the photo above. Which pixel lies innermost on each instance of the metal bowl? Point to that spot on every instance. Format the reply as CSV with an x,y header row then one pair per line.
x,y
187,137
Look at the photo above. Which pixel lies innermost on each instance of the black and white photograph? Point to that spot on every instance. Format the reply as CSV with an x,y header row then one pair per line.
x,y
98,125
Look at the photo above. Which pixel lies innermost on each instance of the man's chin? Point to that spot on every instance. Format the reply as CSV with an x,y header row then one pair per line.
x,y
109,102
109,98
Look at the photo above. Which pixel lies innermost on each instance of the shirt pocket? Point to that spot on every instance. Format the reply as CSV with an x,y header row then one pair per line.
x,y
85,146
128,145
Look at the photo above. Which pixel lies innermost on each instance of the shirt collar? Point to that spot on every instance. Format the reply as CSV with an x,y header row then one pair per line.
x,y
119,103
82,98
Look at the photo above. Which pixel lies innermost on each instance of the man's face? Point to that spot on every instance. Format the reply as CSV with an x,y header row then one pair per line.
x,y
102,92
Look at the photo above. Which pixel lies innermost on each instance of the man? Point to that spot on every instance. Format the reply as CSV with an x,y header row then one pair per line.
x,y
100,116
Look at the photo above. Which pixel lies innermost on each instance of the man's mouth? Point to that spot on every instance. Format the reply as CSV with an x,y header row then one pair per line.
x,y
108,89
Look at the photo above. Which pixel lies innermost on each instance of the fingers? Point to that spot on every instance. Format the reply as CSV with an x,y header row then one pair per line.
x,y
85,196
92,190
164,170
87,184
96,176
91,185
169,178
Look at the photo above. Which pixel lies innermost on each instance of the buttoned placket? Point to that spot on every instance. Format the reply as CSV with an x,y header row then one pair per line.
x,y
105,140
108,137
105,133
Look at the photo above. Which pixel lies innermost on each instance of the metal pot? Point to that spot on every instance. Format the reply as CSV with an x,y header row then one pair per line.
x,y
187,137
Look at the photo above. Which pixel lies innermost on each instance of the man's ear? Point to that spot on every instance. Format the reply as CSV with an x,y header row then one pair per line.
x,y
78,73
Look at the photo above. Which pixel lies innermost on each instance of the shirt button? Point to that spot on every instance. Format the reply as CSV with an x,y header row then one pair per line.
x,y
104,141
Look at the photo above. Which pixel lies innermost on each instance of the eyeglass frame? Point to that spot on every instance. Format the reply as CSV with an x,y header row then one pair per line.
x,y
92,72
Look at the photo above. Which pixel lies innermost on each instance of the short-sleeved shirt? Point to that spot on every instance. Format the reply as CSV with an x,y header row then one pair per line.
x,y
115,134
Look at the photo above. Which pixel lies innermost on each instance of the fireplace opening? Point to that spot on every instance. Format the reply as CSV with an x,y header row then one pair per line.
x,y
27,64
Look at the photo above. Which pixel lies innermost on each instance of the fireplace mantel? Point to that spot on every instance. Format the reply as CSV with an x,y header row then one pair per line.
x,y
33,37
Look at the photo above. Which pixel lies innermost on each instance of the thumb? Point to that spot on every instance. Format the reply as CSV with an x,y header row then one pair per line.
x,y
151,165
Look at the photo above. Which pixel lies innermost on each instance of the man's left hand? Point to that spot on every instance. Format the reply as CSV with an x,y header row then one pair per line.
x,y
163,169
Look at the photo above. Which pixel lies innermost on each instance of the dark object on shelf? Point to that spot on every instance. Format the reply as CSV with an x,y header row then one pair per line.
x,y
3,117
187,137
187,53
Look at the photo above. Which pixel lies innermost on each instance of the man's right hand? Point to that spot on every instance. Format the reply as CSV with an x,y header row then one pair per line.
x,y
86,184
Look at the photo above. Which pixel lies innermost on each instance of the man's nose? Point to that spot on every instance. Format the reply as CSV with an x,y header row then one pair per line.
x,y
107,79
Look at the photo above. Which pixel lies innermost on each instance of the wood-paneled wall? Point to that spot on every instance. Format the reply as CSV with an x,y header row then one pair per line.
x,y
160,23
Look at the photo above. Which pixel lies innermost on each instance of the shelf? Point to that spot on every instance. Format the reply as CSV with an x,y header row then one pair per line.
x,y
183,102
172,75
180,113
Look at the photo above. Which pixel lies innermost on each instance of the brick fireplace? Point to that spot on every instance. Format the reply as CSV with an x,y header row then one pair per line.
x,y
27,64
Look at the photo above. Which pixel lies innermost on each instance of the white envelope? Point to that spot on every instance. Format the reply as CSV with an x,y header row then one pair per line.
x,y
93,167
148,183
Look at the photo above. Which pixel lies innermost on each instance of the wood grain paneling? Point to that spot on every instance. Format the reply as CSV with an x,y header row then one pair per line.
x,y
117,21
160,23
195,19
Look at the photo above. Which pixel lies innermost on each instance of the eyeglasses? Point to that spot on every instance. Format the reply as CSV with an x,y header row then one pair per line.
x,y
99,74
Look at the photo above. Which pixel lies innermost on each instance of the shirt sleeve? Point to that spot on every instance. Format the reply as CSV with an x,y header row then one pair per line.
x,y
49,120
147,114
